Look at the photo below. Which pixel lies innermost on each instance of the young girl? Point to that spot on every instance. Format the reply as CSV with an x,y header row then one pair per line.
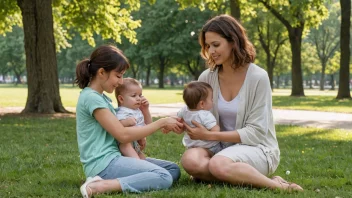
x,y
130,101
198,97
243,109
97,128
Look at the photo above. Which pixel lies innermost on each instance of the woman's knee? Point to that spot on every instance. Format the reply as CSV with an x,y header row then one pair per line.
x,y
194,161
220,167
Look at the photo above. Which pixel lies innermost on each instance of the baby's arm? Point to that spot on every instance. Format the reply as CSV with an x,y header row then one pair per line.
x,y
127,150
215,128
131,121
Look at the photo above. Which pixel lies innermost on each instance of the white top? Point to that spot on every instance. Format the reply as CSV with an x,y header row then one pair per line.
x,y
254,120
227,115
124,113
205,118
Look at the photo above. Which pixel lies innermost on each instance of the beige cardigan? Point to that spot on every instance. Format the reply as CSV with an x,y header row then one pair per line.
x,y
254,123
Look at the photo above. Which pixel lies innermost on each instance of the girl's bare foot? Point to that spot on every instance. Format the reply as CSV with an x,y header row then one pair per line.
x,y
86,189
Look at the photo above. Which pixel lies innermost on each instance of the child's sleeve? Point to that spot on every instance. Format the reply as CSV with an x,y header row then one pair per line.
x,y
208,119
122,114
181,112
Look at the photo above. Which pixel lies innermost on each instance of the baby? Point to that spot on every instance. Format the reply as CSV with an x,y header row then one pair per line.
x,y
130,102
198,97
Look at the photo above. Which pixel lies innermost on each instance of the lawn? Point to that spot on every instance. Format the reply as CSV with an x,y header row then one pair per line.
x,y
315,100
39,158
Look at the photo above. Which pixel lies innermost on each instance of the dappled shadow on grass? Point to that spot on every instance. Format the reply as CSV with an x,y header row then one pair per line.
x,y
39,115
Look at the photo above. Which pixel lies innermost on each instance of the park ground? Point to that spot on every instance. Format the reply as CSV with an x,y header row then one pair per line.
x,y
39,155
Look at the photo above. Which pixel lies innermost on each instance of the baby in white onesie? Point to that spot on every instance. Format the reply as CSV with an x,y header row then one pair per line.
x,y
130,99
198,97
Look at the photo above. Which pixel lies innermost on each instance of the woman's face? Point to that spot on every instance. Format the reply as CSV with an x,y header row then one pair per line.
x,y
219,49
113,80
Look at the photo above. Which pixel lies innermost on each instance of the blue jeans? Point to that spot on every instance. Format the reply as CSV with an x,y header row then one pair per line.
x,y
137,175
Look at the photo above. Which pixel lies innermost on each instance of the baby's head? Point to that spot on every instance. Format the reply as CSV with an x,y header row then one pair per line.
x,y
129,94
198,96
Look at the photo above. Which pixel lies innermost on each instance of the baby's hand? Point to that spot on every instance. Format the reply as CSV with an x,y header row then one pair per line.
x,y
144,104
142,143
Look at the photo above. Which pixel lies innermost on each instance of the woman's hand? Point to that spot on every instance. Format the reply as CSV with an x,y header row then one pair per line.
x,y
142,143
144,104
172,124
198,132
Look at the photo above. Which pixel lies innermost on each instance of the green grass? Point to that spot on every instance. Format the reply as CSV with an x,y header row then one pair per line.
x,y
16,96
315,100
39,158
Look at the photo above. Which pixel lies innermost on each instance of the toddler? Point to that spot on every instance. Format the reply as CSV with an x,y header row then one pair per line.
x,y
198,97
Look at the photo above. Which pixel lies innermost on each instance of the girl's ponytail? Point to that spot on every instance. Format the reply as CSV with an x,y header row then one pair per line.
x,y
82,73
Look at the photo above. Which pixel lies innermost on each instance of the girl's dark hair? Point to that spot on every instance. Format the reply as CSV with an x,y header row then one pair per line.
x,y
230,29
107,56
195,92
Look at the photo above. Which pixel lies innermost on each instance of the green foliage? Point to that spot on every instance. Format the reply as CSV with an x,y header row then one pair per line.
x,y
68,58
169,34
12,53
333,64
310,60
311,13
10,15
110,19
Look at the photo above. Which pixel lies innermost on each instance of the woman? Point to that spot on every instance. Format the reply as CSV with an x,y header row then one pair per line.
x,y
243,108
98,129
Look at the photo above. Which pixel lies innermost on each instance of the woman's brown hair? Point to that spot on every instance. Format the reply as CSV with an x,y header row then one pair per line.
x,y
230,29
107,56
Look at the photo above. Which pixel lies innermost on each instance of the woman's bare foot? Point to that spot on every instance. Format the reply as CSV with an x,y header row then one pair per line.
x,y
285,185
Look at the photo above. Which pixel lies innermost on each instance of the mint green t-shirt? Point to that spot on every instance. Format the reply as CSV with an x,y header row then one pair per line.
x,y
96,146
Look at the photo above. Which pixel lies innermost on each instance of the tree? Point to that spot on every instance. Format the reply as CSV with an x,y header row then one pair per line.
x,y
111,19
326,39
344,83
310,61
270,34
12,53
295,15
282,64
189,26
332,67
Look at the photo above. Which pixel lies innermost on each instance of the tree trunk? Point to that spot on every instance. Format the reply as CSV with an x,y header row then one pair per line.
x,y
295,35
322,76
344,84
311,82
270,70
147,78
161,71
278,82
235,9
18,78
332,82
41,65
